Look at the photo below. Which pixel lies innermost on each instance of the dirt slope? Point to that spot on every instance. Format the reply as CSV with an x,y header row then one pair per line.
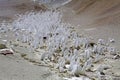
x,y
9,8
96,18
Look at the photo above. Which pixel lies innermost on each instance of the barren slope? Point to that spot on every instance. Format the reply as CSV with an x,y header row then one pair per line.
x,y
97,18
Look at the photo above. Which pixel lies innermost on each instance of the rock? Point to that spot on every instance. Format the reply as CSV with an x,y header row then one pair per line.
x,y
116,56
67,66
101,41
92,44
112,40
6,51
2,46
78,78
102,73
61,69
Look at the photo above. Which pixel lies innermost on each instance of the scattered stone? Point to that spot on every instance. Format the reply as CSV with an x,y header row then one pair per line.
x,y
116,56
4,40
92,44
101,41
77,48
58,51
6,51
112,40
67,66
102,73
44,38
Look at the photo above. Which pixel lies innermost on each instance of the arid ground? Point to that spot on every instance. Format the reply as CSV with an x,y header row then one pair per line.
x,y
93,18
